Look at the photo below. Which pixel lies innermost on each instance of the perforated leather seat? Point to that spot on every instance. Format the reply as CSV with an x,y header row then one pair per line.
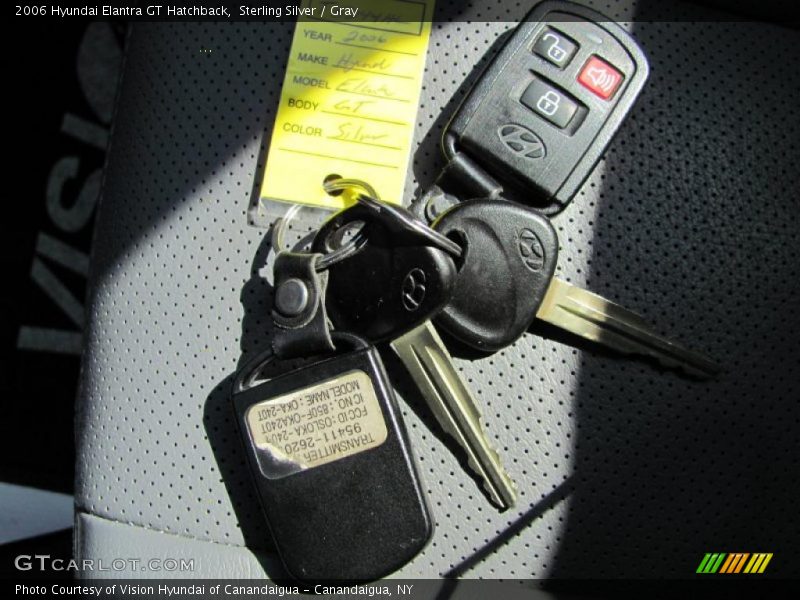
x,y
623,470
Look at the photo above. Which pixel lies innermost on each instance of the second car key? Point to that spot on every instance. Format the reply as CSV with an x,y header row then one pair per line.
x,y
364,296
540,116
506,281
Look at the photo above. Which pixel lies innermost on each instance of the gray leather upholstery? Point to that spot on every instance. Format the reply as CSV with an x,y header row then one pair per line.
x,y
623,470
160,554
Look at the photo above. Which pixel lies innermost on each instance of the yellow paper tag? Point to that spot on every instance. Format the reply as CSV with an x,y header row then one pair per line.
x,y
349,101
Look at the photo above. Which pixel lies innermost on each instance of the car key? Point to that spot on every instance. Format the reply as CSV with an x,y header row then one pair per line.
x,y
388,307
506,280
540,116
426,358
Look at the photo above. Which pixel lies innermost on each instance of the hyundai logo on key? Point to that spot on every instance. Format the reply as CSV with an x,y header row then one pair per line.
x,y
521,141
531,250
414,289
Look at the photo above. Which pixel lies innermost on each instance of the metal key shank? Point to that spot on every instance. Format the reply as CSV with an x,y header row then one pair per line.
x,y
431,366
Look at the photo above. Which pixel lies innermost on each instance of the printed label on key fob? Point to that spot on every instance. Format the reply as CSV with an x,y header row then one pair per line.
x,y
316,425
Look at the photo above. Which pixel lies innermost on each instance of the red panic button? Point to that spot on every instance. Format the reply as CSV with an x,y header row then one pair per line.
x,y
600,77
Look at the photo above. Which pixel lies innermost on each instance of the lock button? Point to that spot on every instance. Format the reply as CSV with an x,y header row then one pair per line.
x,y
555,47
549,102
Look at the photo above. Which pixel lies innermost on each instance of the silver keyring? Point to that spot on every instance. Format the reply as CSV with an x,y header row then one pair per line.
x,y
341,253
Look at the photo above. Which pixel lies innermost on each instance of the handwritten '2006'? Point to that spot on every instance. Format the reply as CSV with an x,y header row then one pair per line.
x,y
364,38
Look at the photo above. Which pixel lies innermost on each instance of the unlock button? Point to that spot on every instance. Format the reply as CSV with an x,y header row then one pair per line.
x,y
555,47
549,102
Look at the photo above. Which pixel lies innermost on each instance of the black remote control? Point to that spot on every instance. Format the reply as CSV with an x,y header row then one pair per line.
x,y
542,113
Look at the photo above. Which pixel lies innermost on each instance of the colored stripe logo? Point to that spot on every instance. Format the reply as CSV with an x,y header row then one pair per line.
x,y
734,562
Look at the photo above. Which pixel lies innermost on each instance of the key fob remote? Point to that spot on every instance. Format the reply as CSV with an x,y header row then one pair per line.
x,y
331,462
543,112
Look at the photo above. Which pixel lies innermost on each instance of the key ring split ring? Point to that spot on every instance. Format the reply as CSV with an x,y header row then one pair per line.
x,y
342,184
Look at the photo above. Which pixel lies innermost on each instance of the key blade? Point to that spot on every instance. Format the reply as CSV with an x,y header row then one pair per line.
x,y
593,317
431,367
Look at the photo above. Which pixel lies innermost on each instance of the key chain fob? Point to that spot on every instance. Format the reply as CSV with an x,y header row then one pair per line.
x,y
331,462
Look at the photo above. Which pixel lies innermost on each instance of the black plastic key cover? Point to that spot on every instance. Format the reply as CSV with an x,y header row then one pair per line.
x,y
393,283
510,255
331,462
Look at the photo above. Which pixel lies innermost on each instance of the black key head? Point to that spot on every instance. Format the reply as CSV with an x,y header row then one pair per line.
x,y
509,257
394,282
